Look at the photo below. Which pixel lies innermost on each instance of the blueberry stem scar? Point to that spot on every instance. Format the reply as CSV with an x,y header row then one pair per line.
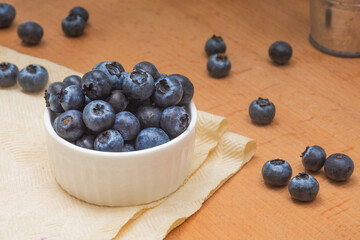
x,y
302,175
31,68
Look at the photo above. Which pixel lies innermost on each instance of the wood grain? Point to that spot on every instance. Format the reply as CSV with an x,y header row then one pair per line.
x,y
316,96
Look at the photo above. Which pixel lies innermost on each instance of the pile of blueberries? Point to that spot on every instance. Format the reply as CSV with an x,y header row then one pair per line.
x,y
304,187
111,110
31,32
218,64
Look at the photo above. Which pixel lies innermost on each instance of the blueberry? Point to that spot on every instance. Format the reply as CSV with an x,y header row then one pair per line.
x,y
138,85
55,121
218,65
33,78
339,167
118,100
149,116
109,141
114,72
174,120
72,80
52,97
215,44
147,67
72,97
7,14
80,11
280,52
303,187
262,111
276,172
30,33
8,73
98,116
128,148
87,100
188,88
168,92
127,124
313,158
96,85
70,125
124,75
86,141
73,25
151,137
135,104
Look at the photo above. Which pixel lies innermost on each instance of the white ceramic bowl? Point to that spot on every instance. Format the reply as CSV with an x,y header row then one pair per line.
x,y
124,178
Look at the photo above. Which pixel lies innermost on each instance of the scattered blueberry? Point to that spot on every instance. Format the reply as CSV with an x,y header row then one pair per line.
x,y
280,52
138,85
8,73
168,92
7,14
118,100
276,172
215,44
174,120
339,167
149,116
218,65
52,97
114,72
86,141
72,80
147,67
70,125
262,111
127,124
188,88
72,97
313,158
33,78
80,11
109,141
73,25
128,148
124,75
98,116
303,187
30,33
150,137
96,85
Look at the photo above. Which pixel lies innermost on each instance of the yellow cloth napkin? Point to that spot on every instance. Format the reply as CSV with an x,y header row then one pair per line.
x,y
33,206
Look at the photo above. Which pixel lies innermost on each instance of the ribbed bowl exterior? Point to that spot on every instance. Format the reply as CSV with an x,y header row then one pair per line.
x,y
121,179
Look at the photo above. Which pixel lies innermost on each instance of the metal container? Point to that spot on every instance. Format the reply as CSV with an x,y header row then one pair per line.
x,y
335,27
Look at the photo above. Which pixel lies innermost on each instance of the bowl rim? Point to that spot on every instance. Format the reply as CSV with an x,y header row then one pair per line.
x,y
51,131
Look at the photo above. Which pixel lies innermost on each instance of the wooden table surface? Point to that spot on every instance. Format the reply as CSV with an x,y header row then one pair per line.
x,y
316,97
